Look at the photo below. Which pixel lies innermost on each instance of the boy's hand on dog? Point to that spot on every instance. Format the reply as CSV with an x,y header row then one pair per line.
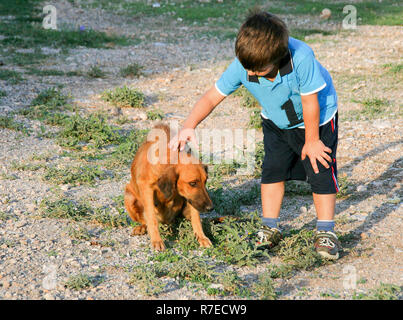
x,y
183,136
316,151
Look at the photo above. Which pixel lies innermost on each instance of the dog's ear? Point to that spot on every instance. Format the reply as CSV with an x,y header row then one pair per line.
x,y
167,182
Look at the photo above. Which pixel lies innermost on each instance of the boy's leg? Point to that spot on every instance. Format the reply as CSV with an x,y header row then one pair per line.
x,y
272,198
325,205
277,161
324,187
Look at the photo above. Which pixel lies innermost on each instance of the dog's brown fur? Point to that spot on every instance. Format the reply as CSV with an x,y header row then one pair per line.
x,y
159,191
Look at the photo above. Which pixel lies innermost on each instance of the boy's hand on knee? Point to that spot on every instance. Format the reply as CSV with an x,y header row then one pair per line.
x,y
316,151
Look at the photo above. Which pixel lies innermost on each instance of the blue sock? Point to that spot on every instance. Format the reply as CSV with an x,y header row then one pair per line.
x,y
271,222
325,225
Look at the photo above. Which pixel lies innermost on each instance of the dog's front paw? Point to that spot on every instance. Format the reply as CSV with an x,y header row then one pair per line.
x,y
158,245
204,242
139,230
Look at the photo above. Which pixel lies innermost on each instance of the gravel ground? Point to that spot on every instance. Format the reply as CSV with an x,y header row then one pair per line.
x,y
34,250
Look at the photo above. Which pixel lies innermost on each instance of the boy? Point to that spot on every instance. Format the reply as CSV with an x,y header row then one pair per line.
x,y
299,120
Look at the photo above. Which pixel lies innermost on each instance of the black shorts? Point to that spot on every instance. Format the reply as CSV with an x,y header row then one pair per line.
x,y
282,160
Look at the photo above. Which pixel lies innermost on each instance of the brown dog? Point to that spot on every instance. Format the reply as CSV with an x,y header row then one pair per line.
x,y
163,184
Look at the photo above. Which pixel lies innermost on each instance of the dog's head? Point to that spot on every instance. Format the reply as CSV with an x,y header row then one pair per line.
x,y
189,180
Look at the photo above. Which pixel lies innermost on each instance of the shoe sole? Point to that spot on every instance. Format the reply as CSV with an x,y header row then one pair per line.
x,y
329,256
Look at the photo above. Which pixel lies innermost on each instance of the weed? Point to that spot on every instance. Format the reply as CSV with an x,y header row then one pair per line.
x,y
79,233
88,175
51,97
255,120
383,292
345,187
156,114
93,130
96,72
147,279
82,281
284,271
26,166
181,232
65,209
394,68
372,108
47,107
12,77
229,201
45,72
131,71
124,97
8,122
233,240
297,250
108,218
264,288
123,154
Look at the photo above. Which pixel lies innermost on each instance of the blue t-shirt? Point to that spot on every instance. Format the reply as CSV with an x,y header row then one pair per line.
x,y
299,74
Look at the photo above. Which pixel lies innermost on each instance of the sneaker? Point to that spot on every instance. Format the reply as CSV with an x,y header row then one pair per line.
x,y
268,237
327,245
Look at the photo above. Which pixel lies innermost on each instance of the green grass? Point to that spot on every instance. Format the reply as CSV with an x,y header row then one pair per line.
x,y
371,108
297,250
147,280
222,20
133,70
48,106
80,175
11,76
124,97
90,131
228,201
264,288
51,97
112,216
395,69
155,114
82,281
65,209
25,31
96,72
79,233
8,122
383,292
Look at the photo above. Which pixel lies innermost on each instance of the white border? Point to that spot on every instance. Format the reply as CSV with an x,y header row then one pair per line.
x,y
314,91
219,91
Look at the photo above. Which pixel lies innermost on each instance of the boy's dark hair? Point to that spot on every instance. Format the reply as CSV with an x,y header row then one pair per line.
x,y
261,41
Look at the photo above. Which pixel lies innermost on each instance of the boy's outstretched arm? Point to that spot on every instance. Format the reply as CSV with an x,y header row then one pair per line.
x,y
200,111
314,147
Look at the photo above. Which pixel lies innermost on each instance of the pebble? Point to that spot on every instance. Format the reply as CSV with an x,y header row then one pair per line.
x,y
362,188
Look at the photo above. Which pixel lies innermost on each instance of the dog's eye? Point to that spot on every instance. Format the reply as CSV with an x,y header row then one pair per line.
x,y
193,183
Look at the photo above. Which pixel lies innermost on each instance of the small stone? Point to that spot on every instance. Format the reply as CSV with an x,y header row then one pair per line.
x,y
363,235
325,14
362,188
303,210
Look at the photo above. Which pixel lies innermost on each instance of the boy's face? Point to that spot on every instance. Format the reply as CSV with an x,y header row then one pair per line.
x,y
269,73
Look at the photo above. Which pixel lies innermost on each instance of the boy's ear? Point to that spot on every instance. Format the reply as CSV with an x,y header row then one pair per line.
x,y
167,182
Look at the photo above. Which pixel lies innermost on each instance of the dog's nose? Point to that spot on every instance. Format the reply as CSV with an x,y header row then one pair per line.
x,y
209,207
